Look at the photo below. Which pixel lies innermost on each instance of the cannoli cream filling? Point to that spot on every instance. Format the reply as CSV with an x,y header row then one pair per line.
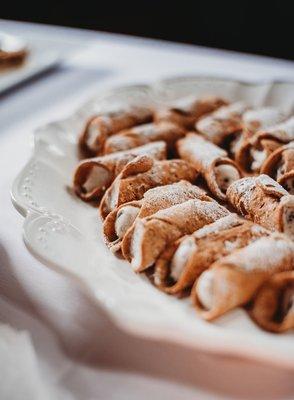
x,y
205,289
136,246
124,220
92,134
181,258
97,178
258,157
225,175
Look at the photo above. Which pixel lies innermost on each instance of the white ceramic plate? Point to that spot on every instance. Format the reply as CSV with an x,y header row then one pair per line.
x,y
39,59
65,233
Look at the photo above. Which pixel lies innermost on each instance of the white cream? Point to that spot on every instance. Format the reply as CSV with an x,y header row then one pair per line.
x,y
97,178
258,157
124,219
136,245
181,257
92,135
205,289
225,175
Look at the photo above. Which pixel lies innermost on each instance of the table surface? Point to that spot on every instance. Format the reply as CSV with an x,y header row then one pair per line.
x,y
82,353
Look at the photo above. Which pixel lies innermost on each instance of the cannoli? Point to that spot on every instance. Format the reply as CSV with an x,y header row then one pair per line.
x,y
186,111
262,118
142,134
273,305
118,222
233,280
211,161
152,234
184,260
252,121
256,149
100,127
140,175
280,166
263,201
93,176
223,124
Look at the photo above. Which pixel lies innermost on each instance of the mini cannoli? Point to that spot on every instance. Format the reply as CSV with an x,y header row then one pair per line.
x,y
93,176
256,149
273,305
264,201
100,127
252,121
280,166
152,234
184,260
186,111
211,161
223,124
118,222
142,134
233,280
140,175
262,118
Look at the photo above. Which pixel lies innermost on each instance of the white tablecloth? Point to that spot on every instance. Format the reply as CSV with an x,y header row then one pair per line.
x,y
72,348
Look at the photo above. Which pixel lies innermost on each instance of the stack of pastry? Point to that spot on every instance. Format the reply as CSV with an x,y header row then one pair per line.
x,y
199,194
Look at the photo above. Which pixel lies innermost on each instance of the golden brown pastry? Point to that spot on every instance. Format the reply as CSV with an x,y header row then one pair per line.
x,y
211,161
152,234
222,124
117,224
183,261
186,111
100,127
93,176
273,305
280,166
256,149
140,175
142,134
233,280
253,120
264,201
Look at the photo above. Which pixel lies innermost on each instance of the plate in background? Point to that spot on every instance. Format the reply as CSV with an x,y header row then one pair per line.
x,y
38,60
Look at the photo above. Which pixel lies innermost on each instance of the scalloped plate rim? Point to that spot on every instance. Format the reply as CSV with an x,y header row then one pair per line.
x,y
145,331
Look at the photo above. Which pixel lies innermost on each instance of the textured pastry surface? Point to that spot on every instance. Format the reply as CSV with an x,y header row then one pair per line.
x,y
200,193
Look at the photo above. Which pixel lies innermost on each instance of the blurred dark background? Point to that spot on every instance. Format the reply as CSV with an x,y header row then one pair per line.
x,y
258,27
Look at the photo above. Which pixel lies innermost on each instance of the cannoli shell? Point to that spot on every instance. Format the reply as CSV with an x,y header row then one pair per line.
x,y
152,234
281,159
205,157
140,175
155,199
185,112
222,123
236,278
263,201
110,165
108,124
210,243
142,134
273,304
265,141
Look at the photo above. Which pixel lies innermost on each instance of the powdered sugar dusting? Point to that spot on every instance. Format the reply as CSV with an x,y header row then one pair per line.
x,y
264,254
221,224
